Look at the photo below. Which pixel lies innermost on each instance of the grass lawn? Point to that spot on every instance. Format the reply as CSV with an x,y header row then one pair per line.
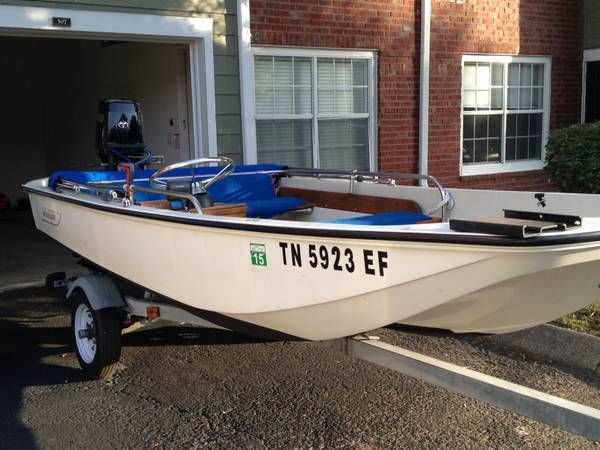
x,y
586,320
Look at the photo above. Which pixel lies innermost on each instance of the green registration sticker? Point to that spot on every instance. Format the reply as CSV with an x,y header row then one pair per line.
x,y
258,254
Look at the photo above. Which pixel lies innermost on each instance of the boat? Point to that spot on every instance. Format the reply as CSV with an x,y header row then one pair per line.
x,y
316,254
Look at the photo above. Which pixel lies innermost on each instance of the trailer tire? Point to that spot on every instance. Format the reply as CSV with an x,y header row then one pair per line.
x,y
97,337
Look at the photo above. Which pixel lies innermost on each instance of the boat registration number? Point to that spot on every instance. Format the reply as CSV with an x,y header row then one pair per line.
x,y
341,259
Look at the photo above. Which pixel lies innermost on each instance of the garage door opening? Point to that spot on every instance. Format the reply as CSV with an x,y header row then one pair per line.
x,y
50,93
52,79
51,89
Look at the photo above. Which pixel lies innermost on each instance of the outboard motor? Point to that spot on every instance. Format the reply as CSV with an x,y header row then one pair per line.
x,y
119,136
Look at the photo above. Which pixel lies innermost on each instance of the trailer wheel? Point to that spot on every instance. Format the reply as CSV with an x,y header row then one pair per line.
x,y
97,336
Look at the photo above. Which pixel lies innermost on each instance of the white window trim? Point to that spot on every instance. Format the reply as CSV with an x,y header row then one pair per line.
x,y
250,152
246,64
591,55
514,166
588,56
91,24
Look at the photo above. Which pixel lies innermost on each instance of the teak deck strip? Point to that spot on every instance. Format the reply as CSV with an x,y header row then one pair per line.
x,y
159,204
235,210
350,202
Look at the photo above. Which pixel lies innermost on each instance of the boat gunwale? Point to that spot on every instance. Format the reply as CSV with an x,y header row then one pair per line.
x,y
346,233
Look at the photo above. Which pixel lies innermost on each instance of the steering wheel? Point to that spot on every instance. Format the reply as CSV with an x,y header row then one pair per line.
x,y
203,184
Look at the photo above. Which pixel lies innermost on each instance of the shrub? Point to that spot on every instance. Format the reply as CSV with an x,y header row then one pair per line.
x,y
573,158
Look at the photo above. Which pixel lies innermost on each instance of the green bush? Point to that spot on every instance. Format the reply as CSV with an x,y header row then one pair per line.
x,y
573,158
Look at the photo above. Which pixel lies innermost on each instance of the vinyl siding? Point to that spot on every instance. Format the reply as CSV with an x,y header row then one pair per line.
x,y
227,82
592,24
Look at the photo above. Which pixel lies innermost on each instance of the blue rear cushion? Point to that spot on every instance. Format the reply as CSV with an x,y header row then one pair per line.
x,y
387,218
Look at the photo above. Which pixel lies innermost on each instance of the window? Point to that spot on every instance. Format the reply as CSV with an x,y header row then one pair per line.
x,y
314,108
505,104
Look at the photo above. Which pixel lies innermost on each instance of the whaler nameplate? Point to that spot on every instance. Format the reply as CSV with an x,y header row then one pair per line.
x,y
50,216
332,257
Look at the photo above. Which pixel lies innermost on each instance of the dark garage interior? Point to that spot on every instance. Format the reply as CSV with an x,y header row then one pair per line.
x,y
50,94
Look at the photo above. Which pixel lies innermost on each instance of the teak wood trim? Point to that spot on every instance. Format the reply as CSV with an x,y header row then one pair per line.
x,y
159,204
237,210
219,209
350,202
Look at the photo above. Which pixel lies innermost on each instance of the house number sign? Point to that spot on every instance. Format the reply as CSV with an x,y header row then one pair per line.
x,y
64,22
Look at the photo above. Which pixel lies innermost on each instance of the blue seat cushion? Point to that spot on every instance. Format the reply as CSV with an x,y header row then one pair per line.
x,y
273,207
243,188
387,218
257,192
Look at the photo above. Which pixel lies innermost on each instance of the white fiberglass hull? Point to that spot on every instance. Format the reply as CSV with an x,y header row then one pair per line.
x,y
317,287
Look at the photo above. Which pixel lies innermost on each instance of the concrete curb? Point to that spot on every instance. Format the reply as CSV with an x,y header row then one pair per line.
x,y
555,344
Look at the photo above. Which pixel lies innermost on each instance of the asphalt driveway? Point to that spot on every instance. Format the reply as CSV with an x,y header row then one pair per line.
x,y
189,388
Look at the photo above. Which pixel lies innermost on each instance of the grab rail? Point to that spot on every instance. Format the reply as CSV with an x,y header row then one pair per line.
x,y
113,188
358,175
204,184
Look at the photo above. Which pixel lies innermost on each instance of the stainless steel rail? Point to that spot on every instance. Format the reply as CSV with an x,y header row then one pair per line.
x,y
356,176
201,185
113,188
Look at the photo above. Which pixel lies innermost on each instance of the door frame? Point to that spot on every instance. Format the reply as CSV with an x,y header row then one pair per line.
x,y
196,32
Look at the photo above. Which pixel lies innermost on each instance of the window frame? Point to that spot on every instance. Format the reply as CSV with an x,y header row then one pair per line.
x,y
590,55
314,54
507,166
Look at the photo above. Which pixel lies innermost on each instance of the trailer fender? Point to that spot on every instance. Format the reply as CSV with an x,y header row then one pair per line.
x,y
100,291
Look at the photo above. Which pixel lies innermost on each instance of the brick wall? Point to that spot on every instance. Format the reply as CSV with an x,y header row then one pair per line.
x,y
392,27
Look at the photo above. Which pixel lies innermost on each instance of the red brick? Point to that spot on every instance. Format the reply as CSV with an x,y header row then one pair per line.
x,y
525,27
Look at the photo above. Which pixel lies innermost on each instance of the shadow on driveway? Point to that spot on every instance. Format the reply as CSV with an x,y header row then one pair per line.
x,y
35,332
185,335
32,331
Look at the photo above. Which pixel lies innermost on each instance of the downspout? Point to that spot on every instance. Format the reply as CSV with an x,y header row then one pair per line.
x,y
424,89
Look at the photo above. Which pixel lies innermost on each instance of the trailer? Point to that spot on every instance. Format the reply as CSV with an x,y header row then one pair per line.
x,y
105,307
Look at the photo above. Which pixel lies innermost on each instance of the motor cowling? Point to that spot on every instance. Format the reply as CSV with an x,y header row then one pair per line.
x,y
119,136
